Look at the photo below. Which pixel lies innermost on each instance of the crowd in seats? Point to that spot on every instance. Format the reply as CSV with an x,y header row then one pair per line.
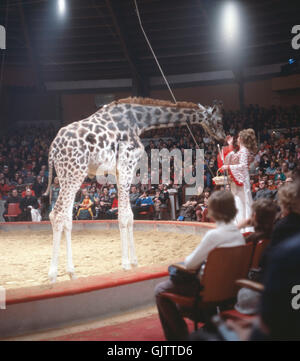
x,y
23,164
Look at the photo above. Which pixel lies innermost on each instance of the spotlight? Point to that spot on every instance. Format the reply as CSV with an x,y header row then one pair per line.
x,y
61,5
230,22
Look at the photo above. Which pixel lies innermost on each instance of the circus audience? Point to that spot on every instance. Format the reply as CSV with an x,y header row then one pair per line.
x,y
23,156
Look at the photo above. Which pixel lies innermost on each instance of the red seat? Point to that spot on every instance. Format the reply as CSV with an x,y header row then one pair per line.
x,y
13,210
147,213
246,234
205,217
259,250
223,268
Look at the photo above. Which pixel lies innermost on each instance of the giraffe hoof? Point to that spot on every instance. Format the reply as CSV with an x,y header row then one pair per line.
x,y
126,266
72,276
52,277
52,280
134,264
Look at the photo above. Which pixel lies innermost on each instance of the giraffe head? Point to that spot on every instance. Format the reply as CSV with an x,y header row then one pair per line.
x,y
212,122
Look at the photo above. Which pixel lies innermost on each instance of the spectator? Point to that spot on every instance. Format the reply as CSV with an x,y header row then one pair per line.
x,y
38,187
133,195
29,179
263,191
143,203
201,211
28,203
113,212
187,210
157,202
4,189
20,186
271,185
271,169
24,192
14,198
289,224
86,205
54,192
164,198
104,202
225,235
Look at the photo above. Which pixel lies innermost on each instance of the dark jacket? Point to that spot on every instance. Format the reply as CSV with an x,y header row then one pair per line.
x,y
29,201
264,193
285,228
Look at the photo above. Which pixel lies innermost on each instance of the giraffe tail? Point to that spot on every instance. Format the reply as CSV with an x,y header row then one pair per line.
x,y
50,166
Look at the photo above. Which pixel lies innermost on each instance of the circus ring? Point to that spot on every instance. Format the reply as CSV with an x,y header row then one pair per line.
x,y
44,307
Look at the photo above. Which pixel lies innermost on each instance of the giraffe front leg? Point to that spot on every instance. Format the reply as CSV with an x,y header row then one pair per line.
x,y
124,237
57,227
132,254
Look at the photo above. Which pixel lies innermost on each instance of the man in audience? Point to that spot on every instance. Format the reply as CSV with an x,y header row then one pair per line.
x,y
38,187
263,191
222,209
14,198
143,203
133,195
26,204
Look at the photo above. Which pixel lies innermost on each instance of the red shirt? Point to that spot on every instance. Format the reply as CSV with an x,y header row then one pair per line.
x,y
24,193
4,190
115,203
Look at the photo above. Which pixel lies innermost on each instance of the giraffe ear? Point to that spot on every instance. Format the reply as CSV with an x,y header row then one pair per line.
x,y
201,107
217,106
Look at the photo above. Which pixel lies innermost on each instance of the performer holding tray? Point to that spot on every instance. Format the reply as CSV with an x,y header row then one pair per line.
x,y
237,164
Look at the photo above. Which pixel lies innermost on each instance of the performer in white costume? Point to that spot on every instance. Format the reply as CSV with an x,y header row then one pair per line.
x,y
237,164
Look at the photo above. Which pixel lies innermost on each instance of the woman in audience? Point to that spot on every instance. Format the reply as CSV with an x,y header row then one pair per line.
x,y
221,208
54,192
262,219
289,202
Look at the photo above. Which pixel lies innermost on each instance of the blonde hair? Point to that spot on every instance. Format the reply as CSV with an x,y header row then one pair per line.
x,y
248,139
289,197
221,206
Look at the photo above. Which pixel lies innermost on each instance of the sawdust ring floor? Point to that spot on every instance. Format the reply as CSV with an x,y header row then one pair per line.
x,y
25,256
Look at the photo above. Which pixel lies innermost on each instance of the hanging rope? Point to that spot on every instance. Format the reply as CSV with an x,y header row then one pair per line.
x,y
3,52
165,79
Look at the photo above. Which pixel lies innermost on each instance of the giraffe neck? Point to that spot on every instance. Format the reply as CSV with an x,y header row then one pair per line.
x,y
155,117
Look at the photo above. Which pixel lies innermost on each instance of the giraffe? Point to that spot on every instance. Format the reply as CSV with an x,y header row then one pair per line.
x,y
110,140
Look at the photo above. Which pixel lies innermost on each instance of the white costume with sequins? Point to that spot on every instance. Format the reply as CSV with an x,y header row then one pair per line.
x,y
240,182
